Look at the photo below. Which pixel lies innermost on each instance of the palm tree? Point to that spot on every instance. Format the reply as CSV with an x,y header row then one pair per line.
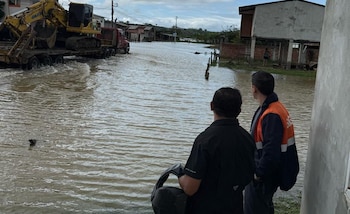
x,y
2,13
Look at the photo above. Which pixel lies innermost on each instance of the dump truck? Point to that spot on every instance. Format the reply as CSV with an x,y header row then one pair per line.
x,y
45,33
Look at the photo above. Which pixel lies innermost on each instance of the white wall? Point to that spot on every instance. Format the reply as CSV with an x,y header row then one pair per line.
x,y
329,147
295,20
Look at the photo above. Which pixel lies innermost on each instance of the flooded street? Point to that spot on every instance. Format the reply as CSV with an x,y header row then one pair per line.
x,y
106,129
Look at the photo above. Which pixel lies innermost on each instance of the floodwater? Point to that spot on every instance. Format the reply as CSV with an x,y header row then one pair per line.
x,y
106,129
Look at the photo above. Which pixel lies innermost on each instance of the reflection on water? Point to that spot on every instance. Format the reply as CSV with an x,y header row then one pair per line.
x,y
106,129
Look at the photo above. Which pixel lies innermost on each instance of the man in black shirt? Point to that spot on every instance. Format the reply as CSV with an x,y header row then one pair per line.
x,y
221,162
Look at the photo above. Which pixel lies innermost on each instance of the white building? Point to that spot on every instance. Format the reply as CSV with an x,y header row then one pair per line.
x,y
283,24
327,174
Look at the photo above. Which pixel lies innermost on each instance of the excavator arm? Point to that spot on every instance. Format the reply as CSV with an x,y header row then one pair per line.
x,y
46,10
46,25
51,13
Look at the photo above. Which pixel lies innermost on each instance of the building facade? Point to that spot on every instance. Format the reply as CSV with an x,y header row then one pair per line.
x,y
290,29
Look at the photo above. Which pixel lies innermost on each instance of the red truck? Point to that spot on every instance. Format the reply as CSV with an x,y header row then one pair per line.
x,y
114,37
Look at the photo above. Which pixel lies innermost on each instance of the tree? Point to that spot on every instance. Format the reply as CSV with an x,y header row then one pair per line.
x,y
232,34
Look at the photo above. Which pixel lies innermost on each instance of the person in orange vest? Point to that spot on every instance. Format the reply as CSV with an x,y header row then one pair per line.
x,y
273,132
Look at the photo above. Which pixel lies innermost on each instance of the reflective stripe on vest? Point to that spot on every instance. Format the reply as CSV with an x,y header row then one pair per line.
x,y
284,147
288,133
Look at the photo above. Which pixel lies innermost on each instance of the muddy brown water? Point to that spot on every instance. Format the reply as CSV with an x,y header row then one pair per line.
x,y
106,129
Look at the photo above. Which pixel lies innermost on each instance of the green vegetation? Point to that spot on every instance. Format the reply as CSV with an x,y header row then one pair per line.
x,y
202,35
257,66
286,206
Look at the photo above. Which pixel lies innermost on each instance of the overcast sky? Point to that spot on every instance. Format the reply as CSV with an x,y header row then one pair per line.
x,y
211,15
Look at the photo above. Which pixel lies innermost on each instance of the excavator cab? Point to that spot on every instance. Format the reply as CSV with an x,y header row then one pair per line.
x,y
80,15
80,23
80,19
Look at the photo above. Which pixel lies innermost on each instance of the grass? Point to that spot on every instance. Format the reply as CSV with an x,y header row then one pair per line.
x,y
286,206
257,66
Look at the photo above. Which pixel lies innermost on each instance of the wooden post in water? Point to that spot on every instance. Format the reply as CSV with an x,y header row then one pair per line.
x,y
215,56
207,70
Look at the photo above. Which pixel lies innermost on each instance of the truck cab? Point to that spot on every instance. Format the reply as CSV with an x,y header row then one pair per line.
x,y
117,37
123,43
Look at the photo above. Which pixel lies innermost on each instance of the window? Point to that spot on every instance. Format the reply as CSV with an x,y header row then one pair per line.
x,y
296,45
14,3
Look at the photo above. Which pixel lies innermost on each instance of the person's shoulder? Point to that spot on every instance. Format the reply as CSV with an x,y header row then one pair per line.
x,y
245,133
203,135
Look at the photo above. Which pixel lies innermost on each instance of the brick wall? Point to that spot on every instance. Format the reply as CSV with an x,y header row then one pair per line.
x,y
234,51
241,51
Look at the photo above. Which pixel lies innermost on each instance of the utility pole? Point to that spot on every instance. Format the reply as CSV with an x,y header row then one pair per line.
x,y
114,40
113,12
175,34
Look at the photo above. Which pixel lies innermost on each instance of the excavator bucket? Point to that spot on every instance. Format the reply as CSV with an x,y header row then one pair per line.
x,y
45,37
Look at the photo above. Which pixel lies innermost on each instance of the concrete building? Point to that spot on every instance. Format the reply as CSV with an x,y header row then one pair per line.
x,y
16,6
327,174
284,26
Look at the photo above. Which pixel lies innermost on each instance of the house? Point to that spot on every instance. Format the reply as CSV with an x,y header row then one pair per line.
x,y
120,25
136,33
149,33
290,29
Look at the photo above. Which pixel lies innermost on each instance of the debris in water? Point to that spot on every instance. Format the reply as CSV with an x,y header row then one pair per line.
x,y
32,142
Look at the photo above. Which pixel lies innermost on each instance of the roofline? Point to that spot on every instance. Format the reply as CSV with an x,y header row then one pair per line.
x,y
250,7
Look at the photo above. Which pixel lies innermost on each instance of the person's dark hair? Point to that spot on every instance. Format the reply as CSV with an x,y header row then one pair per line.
x,y
264,82
227,102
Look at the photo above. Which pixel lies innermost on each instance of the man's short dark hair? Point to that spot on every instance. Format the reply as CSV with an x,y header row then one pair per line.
x,y
264,82
227,102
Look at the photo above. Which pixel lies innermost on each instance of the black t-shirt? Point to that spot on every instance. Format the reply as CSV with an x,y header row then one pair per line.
x,y
223,158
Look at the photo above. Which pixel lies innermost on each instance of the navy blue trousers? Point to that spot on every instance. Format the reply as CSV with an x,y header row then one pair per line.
x,y
258,199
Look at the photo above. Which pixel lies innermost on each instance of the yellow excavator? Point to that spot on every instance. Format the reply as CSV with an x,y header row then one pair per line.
x,y
49,24
45,32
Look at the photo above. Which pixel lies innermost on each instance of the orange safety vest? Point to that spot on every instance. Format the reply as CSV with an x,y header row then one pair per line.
x,y
288,133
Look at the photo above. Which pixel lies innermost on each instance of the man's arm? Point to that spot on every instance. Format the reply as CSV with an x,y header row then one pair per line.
x,y
189,185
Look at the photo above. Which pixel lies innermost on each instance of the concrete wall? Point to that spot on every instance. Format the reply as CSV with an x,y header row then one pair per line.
x,y
328,153
295,20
